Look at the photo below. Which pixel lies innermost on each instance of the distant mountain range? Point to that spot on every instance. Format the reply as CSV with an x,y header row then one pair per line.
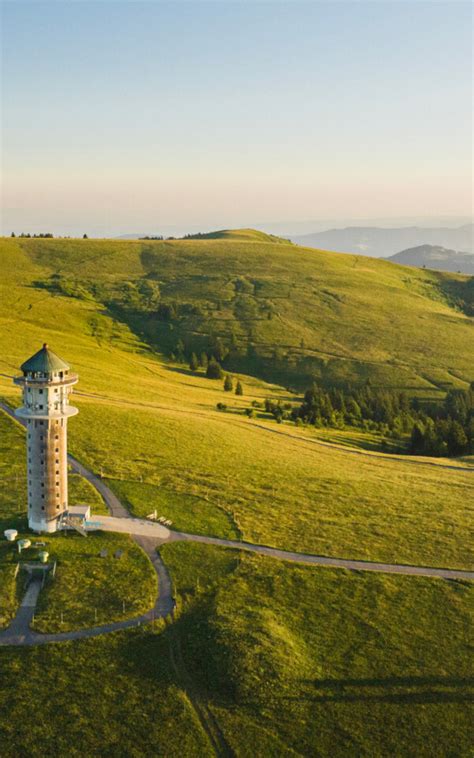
x,y
436,257
382,242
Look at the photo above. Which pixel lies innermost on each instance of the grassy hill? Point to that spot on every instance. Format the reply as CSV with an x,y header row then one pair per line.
x,y
244,235
283,313
152,428
298,661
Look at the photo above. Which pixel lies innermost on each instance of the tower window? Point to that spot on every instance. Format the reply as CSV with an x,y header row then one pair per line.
x,y
41,392
56,450
42,497
42,507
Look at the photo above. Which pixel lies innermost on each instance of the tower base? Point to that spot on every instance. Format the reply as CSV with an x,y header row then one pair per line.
x,y
44,526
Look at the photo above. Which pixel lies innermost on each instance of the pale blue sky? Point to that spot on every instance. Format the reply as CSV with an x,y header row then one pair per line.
x,y
128,116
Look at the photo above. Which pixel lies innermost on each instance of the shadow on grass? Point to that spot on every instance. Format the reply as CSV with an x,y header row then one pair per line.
x,y
428,689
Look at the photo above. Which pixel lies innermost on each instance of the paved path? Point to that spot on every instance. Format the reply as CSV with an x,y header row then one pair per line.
x,y
158,535
19,632
149,535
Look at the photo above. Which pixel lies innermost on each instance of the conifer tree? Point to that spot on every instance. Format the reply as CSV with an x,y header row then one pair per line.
x,y
239,390
214,370
228,383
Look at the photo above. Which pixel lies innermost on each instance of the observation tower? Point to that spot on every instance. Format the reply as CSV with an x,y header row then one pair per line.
x,y
46,384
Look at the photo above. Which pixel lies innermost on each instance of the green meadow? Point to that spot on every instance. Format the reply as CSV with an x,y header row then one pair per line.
x,y
298,660
264,658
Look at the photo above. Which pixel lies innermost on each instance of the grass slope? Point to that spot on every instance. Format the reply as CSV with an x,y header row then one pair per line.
x,y
305,661
294,660
286,313
154,428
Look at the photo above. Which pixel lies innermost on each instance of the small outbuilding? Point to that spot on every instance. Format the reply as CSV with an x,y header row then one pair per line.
x,y
79,514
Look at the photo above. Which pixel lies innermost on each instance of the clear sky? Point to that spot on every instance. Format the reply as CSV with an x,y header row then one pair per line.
x,y
131,116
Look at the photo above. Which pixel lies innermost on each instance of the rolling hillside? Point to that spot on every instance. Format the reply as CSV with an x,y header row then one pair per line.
x,y
279,312
288,656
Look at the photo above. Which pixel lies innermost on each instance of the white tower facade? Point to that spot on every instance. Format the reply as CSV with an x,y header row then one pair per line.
x,y
46,383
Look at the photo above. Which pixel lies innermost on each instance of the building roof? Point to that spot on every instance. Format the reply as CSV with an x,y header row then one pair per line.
x,y
45,361
79,510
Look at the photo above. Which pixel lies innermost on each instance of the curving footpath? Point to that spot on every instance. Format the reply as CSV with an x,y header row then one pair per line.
x,y
149,535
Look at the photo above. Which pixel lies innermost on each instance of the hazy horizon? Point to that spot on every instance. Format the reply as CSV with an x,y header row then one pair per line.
x,y
135,117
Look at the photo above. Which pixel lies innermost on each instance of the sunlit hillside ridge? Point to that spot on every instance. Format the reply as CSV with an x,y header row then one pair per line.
x,y
151,426
277,311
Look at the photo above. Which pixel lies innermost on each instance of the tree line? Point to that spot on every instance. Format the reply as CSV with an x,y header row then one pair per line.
x,y
435,429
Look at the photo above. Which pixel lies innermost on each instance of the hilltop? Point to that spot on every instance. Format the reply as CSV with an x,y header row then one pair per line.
x,y
276,311
244,235
436,257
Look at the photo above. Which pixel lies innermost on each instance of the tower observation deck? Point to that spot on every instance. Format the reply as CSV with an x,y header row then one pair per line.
x,y
46,383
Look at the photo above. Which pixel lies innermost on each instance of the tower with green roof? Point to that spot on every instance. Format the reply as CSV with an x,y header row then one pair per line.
x,y
46,383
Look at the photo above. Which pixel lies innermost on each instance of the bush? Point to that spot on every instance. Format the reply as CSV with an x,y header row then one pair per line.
x,y
228,383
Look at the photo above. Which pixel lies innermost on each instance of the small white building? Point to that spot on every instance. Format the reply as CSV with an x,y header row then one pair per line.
x,y
78,513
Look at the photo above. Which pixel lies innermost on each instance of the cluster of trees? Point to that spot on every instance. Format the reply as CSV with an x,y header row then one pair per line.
x,y
44,235
378,409
153,237
41,235
445,429
213,370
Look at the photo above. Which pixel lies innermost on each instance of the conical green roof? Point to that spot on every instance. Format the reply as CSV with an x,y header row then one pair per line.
x,y
45,361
